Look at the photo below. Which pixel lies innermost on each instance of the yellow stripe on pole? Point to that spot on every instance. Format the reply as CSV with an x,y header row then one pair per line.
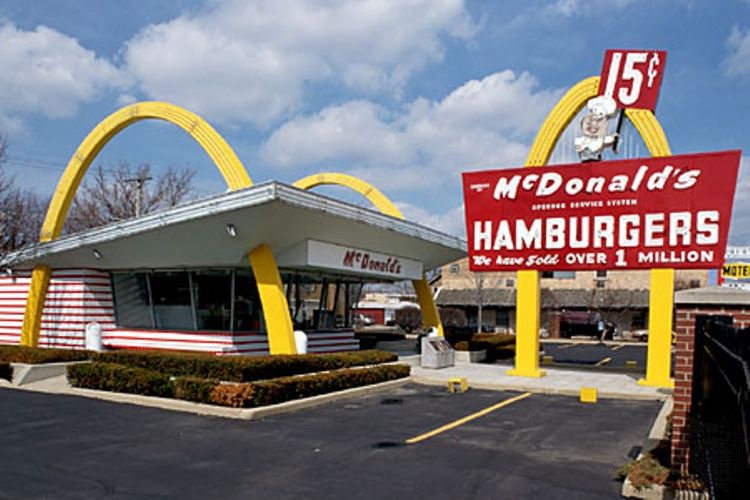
x,y
466,419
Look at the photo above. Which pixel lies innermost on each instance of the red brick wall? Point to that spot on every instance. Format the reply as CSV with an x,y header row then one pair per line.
x,y
683,370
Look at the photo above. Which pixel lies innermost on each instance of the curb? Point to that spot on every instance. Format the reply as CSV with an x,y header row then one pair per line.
x,y
659,429
220,411
545,390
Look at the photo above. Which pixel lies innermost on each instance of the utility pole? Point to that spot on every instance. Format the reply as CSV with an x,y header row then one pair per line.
x,y
140,182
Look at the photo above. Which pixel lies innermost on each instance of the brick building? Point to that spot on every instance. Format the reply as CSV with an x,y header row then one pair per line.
x,y
617,297
732,303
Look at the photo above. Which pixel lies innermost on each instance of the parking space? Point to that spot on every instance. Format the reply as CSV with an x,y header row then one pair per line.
x,y
537,446
618,357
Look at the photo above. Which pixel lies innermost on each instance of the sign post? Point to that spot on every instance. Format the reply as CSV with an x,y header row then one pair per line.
x,y
646,213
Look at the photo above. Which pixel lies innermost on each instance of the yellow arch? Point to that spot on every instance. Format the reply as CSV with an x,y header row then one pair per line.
x,y
280,335
430,316
528,302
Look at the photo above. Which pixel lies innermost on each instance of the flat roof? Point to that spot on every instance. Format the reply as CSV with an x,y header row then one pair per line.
x,y
718,295
279,215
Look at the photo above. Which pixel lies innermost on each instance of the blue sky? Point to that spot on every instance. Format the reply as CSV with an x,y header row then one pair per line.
x,y
404,93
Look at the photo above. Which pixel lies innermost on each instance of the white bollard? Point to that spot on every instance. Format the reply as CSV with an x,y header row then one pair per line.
x,y
300,340
94,337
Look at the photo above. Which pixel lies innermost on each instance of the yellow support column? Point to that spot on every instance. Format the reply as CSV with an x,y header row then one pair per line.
x,y
275,308
528,305
32,319
430,316
212,143
660,306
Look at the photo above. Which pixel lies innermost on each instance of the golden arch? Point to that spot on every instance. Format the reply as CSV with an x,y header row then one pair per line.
x,y
275,310
430,316
528,302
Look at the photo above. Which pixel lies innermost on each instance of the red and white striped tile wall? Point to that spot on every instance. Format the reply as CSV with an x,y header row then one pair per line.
x,y
77,297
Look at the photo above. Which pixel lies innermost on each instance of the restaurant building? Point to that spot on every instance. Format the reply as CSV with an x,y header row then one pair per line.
x,y
228,274
181,279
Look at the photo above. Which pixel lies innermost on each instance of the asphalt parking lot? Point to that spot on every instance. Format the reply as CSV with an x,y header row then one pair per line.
x,y
54,446
597,355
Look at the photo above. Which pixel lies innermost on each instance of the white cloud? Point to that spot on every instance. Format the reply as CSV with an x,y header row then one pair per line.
x,y
451,222
570,8
737,63
482,123
49,73
740,229
249,61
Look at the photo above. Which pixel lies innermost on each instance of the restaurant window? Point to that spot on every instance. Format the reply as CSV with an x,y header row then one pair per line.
x,y
212,295
170,292
203,300
133,301
248,316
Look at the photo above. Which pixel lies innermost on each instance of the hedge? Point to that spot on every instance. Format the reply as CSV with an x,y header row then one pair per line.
x,y
113,377
241,368
118,378
6,371
278,390
497,346
36,355
492,340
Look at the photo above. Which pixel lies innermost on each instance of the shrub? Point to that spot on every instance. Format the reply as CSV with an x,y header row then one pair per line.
x,y
6,371
241,368
497,346
36,355
194,389
494,340
234,395
645,471
283,389
462,346
118,378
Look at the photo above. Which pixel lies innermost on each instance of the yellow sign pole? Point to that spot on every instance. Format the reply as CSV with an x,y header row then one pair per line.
x,y
660,303
528,305
661,297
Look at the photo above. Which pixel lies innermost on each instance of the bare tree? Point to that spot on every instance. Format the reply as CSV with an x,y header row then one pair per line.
x,y
125,193
21,211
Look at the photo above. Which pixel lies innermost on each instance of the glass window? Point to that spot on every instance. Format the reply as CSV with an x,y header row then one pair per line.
x,y
561,275
132,300
170,292
212,295
565,275
248,316
601,275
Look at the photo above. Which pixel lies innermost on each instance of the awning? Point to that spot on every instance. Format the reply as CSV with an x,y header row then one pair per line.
x,y
219,231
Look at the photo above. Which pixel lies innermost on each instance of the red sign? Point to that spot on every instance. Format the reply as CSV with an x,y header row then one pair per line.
x,y
633,77
642,213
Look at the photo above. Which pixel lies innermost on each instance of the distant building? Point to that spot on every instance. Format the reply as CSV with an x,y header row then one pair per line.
x,y
573,302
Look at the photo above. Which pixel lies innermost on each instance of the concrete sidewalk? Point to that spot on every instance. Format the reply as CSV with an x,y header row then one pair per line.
x,y
565,382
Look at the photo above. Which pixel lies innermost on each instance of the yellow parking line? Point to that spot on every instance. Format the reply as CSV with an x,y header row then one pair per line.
x,y
603,362
568,346
466,419
618,347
